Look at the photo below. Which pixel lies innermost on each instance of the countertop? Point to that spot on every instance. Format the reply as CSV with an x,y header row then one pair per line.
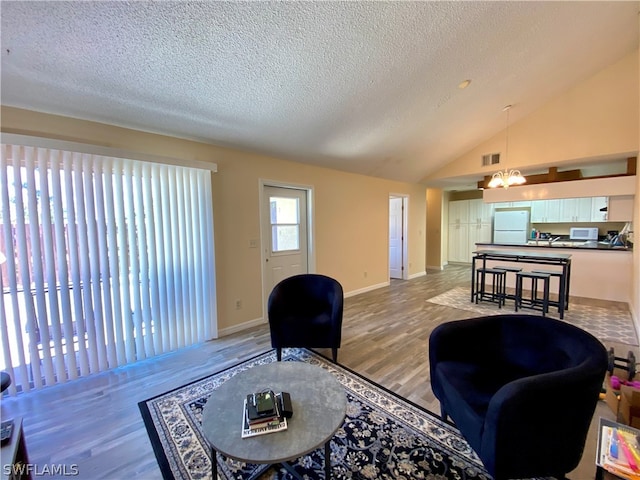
x,y
565,243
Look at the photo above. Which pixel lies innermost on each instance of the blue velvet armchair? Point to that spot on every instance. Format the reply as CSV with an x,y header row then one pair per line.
x,y
306,311
521,389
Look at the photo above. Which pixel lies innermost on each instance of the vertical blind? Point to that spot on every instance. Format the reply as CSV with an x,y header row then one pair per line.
x,y
108,261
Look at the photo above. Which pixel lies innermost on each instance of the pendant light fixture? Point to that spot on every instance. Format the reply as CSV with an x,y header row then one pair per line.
x,y
508,177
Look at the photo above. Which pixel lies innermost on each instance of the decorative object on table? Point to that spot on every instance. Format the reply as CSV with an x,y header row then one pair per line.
x,y
306,311
383,435
265,412
522,389
6,431
14,452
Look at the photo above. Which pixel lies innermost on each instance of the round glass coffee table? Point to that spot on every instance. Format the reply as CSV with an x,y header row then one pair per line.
x,y
319,407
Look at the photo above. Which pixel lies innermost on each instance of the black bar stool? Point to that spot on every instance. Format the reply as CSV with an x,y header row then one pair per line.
x,y
534,302
512,270
560,303
498,283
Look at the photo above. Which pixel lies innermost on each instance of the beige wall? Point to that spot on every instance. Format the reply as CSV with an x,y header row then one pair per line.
x,y
435,229
351,211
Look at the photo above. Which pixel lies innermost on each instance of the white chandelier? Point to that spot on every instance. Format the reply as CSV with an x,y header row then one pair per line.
x,y
508,177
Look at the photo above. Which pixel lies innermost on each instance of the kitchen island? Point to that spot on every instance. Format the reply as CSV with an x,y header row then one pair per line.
x,y
597,271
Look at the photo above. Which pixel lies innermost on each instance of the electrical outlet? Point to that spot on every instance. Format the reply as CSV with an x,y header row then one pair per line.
x,y
238,304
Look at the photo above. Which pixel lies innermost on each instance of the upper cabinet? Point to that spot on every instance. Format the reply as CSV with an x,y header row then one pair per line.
x,y
586,209
599,209
479,211
576,209
459,212
545,211
524,203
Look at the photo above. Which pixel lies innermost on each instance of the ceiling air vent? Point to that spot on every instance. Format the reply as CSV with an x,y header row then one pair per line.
x,y
490,159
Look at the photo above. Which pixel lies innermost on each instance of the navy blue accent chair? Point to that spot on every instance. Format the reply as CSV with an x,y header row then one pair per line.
x,y
5,381
306,311
522,390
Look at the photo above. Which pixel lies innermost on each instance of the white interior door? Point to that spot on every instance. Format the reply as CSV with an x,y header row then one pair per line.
x,y
284,233
396,228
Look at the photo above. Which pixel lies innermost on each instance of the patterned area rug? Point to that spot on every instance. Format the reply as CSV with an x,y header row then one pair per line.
x,y
383,436
607,324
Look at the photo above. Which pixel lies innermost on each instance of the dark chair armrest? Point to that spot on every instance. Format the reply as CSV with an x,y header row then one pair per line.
x,y
532,419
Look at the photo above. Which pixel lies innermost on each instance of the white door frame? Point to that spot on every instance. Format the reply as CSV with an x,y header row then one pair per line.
x,y
311,251
405,247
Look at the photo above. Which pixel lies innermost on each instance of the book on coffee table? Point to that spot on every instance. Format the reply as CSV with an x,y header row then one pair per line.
x,y
269,425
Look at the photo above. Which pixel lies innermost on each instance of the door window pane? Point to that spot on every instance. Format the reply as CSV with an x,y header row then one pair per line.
x,y
285,224
285,237
283,210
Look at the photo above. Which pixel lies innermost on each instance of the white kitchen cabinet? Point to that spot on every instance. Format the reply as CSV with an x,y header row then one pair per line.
x,y
575,209
597,204
480,212
469,223
478,233
538,211
459,243
545,211
523,203
459,212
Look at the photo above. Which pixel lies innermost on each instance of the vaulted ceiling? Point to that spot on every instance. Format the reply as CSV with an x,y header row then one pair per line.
x,y
366,87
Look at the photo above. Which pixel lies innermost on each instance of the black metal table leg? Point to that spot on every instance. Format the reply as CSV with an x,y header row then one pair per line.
x,y
327,460
214,465
473,277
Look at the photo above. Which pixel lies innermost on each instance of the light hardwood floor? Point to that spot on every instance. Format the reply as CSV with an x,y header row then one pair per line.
x,y
94,423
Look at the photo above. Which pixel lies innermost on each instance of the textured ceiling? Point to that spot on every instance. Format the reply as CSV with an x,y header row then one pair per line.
x,y
367,87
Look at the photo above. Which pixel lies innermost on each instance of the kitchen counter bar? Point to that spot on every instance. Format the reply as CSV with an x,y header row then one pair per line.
x,y
581,245
562,260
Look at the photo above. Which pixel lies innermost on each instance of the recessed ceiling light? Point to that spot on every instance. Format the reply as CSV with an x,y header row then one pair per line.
x,y
464,84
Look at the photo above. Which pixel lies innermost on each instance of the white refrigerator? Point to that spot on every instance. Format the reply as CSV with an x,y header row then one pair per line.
x,y
511,227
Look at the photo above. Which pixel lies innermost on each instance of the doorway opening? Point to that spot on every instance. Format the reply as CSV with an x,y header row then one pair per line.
x,y
398,258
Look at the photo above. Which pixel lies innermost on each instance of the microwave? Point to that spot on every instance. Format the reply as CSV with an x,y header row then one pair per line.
x,y
583,233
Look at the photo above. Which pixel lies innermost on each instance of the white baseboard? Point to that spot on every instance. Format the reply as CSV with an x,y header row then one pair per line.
x,y
366,289
417,275
435,267
240,327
